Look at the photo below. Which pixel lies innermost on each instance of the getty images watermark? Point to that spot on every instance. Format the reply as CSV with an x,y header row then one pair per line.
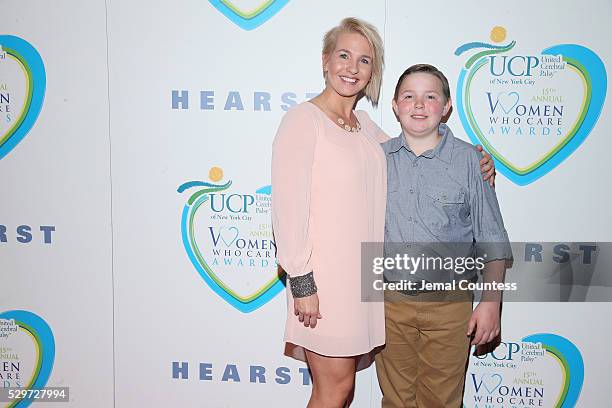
x,y
534,271
404,264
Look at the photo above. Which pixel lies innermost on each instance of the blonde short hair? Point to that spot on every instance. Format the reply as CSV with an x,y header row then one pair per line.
x,y
369,32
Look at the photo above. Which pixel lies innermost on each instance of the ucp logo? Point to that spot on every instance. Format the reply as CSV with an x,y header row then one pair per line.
x,y
27,353
543,369
249,14
517,65
227,235
533,108
234,203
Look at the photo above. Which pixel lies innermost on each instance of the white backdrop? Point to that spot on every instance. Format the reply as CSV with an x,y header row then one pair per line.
x,y
58,176
144,97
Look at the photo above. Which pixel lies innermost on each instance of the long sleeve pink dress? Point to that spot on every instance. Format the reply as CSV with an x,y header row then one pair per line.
x,y
329,194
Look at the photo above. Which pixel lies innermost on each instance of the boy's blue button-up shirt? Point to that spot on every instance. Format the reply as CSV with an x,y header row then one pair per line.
x,y
440,197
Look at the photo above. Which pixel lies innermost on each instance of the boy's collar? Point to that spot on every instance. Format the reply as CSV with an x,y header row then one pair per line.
x,y
444,148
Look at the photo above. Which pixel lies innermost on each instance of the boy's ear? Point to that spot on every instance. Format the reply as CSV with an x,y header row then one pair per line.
x,y
394,105
447,107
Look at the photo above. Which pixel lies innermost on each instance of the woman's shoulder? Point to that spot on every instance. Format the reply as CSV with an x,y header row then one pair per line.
x,y
299,122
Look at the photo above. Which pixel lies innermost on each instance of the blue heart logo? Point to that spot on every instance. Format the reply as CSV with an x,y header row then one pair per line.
x,y
491,382
37,329
531,112
508,101
229,235
22,90
249,19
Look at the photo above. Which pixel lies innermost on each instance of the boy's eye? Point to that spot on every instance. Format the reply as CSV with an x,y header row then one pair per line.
x,y
431,97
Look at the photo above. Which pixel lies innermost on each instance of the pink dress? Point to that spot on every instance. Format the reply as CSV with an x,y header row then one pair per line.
x,y
329,191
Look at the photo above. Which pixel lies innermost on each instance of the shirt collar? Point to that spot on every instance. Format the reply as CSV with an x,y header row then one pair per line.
x,y
444,148
397,143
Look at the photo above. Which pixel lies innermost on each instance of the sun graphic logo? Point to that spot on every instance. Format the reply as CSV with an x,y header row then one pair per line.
x,y
215,174
227,235
498,34
531,110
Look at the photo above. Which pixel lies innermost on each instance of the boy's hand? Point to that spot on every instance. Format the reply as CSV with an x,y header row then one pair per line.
x,y
486,322
487,166
307,310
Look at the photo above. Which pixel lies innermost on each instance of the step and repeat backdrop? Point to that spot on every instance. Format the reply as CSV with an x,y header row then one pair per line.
x,y
137,261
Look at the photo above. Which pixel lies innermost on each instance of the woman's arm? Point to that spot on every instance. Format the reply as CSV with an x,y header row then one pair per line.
x,y
487,166
292,160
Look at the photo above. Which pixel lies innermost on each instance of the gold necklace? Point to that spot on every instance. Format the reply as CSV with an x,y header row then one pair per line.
x,y
347,127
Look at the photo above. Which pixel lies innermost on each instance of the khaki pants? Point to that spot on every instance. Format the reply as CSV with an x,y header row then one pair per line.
x,y
424,360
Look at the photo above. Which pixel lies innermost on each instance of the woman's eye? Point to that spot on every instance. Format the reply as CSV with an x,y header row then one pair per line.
x,y
343,56
365,61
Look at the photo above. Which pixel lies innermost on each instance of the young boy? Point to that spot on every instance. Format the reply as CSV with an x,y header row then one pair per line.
x,y
437,196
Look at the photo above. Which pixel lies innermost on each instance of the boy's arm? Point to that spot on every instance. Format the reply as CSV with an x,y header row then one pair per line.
x,y
493,246
485,324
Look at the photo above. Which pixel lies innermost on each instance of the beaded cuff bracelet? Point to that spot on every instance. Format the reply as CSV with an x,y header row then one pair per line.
x,y
302,286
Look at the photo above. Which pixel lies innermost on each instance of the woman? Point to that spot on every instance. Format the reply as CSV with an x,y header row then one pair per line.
x,y
329,187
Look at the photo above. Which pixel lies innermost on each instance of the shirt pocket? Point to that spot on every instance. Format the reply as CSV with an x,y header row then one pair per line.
x,y
443,210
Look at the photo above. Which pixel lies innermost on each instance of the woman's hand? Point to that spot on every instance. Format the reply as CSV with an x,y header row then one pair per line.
x,y
307,310
487,167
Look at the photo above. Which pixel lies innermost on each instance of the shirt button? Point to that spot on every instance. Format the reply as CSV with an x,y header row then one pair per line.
x,y
411,191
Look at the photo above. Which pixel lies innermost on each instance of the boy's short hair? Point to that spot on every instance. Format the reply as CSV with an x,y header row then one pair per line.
x,y
428,69
369,32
